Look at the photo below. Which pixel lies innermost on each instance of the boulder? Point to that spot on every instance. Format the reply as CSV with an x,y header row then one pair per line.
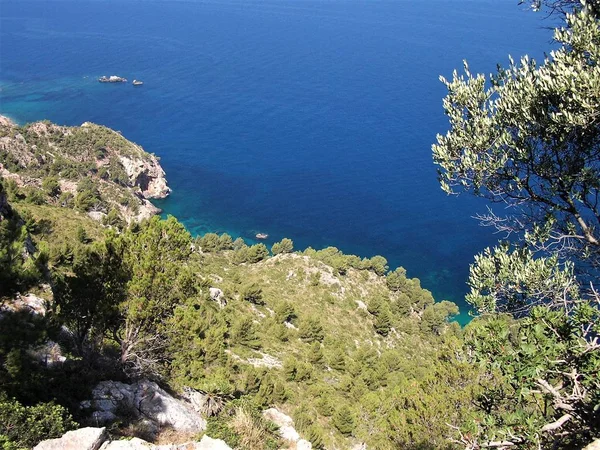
x,y
286,428
81,439
96,439
594,445
206,443
144,400
217,295
360,446
29,302
361,305
130,444
303,444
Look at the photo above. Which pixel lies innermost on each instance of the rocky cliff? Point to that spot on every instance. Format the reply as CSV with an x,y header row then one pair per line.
x,y
49,162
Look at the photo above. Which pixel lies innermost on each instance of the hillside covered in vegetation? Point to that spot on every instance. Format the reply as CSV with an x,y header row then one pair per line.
x,y
328,338
89,168
94,288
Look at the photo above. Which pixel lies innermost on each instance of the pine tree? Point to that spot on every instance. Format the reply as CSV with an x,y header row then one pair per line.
x,y
285,246
383,322
338,360
315,354
311,330
343,420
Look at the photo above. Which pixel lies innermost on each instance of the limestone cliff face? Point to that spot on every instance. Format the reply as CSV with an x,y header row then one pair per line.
x,y
125,175
147,175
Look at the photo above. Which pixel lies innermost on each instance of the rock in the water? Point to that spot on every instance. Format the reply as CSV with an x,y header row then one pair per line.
x,y
112,79
144,400
82,439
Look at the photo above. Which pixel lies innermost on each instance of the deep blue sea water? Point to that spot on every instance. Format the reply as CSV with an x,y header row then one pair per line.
x,y
308,119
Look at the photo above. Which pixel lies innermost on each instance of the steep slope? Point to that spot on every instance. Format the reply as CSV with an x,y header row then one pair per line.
x,y
355,354
90,168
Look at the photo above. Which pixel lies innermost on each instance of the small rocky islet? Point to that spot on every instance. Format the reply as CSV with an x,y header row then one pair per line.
x,y
118,79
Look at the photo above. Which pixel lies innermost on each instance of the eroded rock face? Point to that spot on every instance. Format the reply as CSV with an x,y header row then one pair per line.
x,y
97,439
147,174
144,400
82,439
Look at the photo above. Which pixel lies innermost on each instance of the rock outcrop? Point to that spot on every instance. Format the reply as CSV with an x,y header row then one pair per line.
x,y
146,401
97,439
594,445
82,439
112,79
217,295
126,176
30,303
286,428
146,174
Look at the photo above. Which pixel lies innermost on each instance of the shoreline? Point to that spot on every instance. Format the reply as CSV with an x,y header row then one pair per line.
x,y
463,318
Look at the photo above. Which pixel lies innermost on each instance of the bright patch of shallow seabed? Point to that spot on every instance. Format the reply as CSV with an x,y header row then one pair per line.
x,y
304,119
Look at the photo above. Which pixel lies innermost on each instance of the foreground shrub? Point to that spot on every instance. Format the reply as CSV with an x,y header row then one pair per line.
x,y
25,426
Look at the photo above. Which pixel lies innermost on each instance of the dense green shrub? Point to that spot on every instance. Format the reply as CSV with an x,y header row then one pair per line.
x,y
252,293
284,246
343,420
311,329
23,427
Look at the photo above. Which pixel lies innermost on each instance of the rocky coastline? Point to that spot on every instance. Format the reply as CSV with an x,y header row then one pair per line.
x,y
124,174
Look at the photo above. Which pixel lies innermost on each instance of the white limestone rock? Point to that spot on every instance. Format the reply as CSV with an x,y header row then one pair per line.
x,y
81,439
286,428
217,295
594,445
96,439
145,400
303,444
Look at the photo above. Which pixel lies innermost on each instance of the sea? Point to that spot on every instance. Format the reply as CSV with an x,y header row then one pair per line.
x,y
306,119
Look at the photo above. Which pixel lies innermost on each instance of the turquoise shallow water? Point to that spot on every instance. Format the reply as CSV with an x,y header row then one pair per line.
x,y
308,119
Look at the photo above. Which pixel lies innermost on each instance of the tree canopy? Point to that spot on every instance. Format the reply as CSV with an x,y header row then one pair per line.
x,y
528,138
